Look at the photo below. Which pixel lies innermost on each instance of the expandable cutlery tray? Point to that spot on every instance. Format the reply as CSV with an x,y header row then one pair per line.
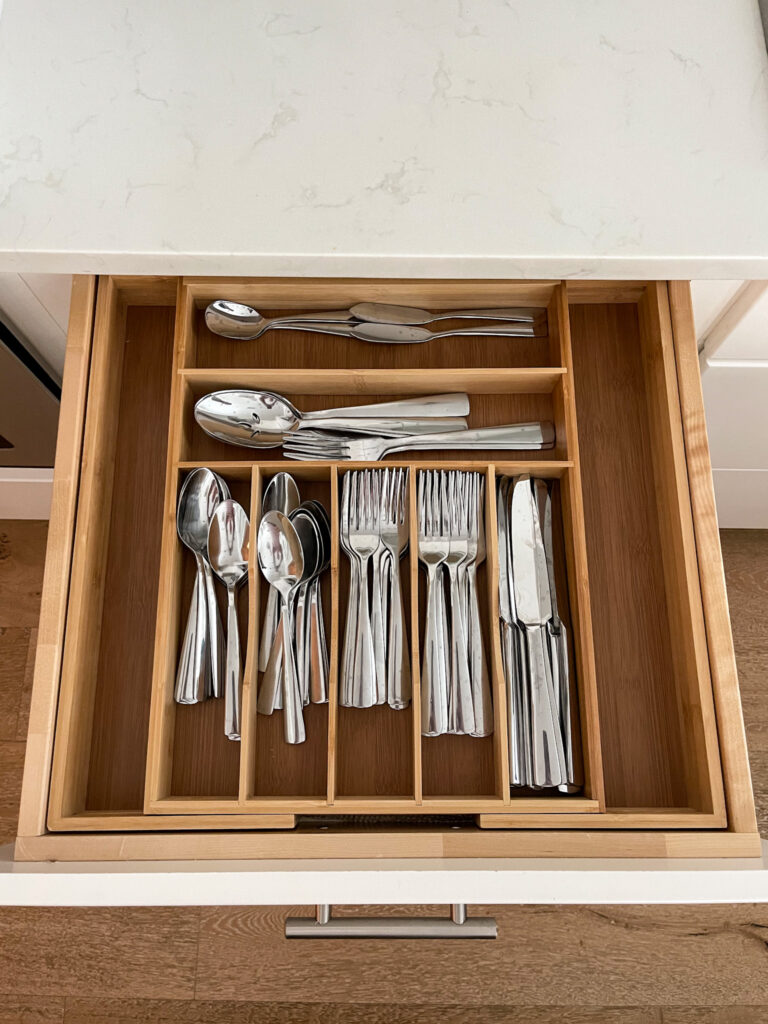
x,y
128,758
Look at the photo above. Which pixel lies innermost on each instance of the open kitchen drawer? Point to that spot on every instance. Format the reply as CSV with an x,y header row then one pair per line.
x,y
116,770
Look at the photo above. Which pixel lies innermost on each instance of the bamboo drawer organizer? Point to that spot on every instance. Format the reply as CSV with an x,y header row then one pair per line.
x,y
636,552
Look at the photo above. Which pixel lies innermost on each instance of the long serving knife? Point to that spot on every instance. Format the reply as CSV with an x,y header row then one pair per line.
x,y
558,645
534,610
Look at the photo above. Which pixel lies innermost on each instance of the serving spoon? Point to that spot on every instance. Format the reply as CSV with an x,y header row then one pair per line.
x,y
228,537
260,419
244,323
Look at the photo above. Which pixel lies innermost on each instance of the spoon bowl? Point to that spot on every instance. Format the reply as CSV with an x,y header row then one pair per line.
x,y
281,559
241,322
228,543
282,495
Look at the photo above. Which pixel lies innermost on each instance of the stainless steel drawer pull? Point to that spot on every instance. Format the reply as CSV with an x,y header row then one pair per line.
x,y
457,926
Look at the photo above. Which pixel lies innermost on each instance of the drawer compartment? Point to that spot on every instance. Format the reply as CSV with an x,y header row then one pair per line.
x,y
127,757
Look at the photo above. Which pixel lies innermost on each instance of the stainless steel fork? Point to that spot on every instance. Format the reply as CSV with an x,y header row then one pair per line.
x,y
433,550
393,531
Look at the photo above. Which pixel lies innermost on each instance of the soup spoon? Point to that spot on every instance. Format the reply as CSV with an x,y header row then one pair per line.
x,y
199,496
244,323
260,419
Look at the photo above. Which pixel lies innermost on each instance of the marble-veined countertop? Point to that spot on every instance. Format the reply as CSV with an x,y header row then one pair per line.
x,y
435,138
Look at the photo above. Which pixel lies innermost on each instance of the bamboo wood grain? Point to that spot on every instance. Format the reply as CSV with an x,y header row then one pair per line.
x,y
339,293
730,722
354,844
56,581
71,753
580,602
499,380
493,651
689,648
162,709
333,655
249,717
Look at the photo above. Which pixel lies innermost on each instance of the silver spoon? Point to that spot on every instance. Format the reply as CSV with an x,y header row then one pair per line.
x,y
282,494
228,548
244,323
260,419
383,313
311,546
281,559
198,498
215,631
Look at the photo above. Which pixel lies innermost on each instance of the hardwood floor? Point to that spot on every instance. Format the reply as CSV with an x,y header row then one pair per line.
x,y
573,965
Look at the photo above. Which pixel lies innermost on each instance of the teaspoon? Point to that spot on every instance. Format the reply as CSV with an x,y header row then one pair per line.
x,y
228,548
244,323
281,494
281,560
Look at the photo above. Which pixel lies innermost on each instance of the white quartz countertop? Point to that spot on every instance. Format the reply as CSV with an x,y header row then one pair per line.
x,y
475,138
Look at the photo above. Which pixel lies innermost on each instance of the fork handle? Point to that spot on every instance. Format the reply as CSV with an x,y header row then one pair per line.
x,y
514,435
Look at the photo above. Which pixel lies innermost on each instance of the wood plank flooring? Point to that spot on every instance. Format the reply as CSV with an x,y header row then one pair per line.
x,y
573,965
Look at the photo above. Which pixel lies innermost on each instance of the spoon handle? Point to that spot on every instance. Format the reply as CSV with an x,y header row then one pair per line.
x,y
192,673
268,630
234,671
215,634
293,715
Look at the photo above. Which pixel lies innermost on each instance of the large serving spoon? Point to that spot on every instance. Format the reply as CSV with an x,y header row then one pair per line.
x,y
281,494
260,419
244,323
281,559
200,494
384,313
228,550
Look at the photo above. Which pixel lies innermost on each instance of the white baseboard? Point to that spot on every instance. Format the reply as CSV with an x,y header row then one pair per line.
x,y
25,493
742,498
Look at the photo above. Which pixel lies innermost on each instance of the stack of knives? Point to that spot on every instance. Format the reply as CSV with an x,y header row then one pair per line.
x,y
534,643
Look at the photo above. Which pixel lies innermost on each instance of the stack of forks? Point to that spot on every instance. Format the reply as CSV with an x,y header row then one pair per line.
x,y
455,687
375,667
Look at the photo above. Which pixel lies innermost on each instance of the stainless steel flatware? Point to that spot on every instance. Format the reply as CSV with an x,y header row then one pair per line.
x,y
262,419
455,688
521,436
244,323
558,646
384,313
406,334
281,560
375,667
533,612
198,498
228,538
281,494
